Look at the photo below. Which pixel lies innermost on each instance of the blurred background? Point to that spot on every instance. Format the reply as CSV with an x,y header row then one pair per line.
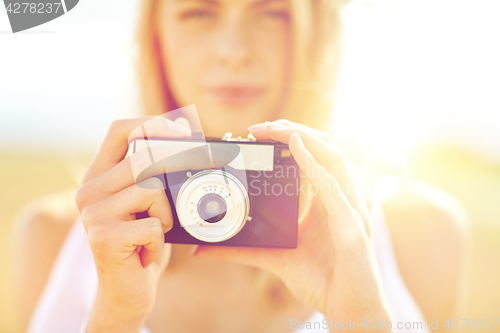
x,y
419,87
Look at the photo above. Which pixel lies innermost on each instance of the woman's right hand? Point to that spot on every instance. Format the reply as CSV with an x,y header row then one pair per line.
x,y
129,253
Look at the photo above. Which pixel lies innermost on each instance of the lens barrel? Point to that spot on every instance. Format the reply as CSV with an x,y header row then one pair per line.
x,y
212,208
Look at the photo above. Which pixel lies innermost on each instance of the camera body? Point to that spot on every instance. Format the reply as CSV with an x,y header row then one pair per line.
x,y
251,201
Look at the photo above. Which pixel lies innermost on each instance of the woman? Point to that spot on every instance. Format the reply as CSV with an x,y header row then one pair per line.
x,y
242,63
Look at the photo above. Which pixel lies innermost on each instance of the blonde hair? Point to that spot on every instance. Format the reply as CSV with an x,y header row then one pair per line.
x,y
316,31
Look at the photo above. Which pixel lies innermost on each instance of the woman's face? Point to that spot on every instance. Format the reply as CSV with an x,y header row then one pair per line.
x,y
229,57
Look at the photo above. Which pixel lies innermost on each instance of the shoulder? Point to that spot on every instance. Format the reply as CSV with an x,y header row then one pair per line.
x,y
429,230
46,219
58,207
38,234
415,200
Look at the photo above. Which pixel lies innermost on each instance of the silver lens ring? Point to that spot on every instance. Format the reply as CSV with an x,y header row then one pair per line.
x,y
222,184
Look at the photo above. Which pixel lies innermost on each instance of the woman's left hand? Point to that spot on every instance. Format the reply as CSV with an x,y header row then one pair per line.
x,y
333,269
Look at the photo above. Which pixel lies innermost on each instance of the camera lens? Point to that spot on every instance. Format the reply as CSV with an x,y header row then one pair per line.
x,y
212,208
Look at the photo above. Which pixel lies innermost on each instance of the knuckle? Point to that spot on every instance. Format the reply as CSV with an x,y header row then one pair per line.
x,y
302,132
116,125
153,187
158,184
81,197
98,238
87,177
89,217
160,195
157,226
140,161
328,138
168,224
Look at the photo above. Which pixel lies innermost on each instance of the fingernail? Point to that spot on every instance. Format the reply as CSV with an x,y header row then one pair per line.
x,y
179,129
299,140
258,128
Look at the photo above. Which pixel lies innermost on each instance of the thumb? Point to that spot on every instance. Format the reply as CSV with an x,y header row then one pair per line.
x,y
163,259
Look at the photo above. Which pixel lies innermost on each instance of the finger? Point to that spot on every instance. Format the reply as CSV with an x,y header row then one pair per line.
x,y
330,158
138,232
323,135
147,233
326,154
149,196
344,224
152,251
260,131
116,142
323,148
119,240
139,166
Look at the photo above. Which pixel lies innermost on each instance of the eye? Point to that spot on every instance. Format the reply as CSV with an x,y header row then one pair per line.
x,y
197,14
278,14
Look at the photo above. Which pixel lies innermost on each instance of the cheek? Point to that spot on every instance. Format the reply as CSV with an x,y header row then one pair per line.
x,y
274,50
184,58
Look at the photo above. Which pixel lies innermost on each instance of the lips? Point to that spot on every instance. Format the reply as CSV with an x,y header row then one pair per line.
x,y
236,95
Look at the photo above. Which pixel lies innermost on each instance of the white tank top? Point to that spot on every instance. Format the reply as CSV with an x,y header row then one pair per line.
x,y
69,294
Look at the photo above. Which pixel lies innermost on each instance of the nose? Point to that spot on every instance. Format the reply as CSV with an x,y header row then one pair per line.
x,y
232,47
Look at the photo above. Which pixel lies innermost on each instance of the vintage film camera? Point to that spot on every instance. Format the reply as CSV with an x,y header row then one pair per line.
x,y
253,200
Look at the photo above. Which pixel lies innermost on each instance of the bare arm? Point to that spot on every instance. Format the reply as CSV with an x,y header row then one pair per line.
x,y
38,234
430,234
